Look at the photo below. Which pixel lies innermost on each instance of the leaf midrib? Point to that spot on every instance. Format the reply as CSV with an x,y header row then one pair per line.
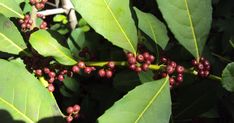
x,y
21,16
119,25
11,42
17,110
152,100
192,29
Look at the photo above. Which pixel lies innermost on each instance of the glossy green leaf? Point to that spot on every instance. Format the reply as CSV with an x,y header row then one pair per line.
x,y
10,9
112,20
228,77
147,103
189,20
153,27
146,76
23,96
10,38
46,45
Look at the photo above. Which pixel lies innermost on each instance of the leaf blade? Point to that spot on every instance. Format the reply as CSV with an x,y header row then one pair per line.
x,y
10,9
228,77
112,20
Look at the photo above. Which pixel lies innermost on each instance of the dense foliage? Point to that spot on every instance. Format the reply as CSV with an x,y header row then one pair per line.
x,y
117,61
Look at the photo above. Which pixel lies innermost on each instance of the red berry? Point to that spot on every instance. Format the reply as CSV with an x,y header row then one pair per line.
x,y
81,65
76,108
194,62
132,60
23,25
60,78
202,59
145,67
171,81
102,73
46,70
201,73
44,1
70,110
88,70
180,74
69,119
52,74
27,17
44,23
51,80
32,1
51,88
140,58
111,64
173,64
38,5
179,79
109,73
206,73
146,55
200,66
163,60
75,69
38,72
180,69
138,69
21,21
164,75
170,69
130,55
151,58
132,67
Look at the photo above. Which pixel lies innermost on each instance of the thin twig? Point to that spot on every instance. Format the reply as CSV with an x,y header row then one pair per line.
x,y
52,11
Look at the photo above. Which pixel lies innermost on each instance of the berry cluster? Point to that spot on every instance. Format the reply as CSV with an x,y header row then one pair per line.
x,y
39,4
174,71
81,65
26,23
51,76
108,71
202,67
43,25
72,113
141,62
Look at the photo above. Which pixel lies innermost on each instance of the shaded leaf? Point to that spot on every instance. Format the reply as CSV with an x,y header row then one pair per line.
x,y
23,96
153,27
189,20
10,9
112,20
10,43
147,103
46,45
146,76
228,77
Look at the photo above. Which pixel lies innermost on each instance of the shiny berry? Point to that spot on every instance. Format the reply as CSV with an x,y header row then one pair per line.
x,y
46,70
109,74
75,69
151,58
60,78
132,60
102,73
179,79
111,64
81,65
51,80
164,75
170,69
69,119
138,69
173,64
140,58
194,62
146,55
52,74
88,70
76,108
132,67
145,67
51,88
200,66
163,60
171,81
180,69
38,72
130,55
70,110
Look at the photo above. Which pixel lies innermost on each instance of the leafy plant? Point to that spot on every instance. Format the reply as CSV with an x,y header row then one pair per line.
x,y
113,61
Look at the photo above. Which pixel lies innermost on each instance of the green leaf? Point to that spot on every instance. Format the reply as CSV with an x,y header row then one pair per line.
x,y
228,77
189,20
10,9
23,96
153,27
46,45
59,18
147,103
10,38
146,76
112,20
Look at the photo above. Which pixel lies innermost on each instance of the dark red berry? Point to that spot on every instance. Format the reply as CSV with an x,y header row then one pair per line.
x,y
32,1
70,110
52,74
200,66
88,70
132,60
194,62
130,55
75,69
60,78
170,69
132,67
21,21
201,73
146,55
140,58
163,60
69,119
151,58
51,88
173,64
180,74
164,75
81,65
109,74
102,73
51,80
76,108
138,69
206,73
38,72
179,79
145,67
111,64
180,69
46,70
171,81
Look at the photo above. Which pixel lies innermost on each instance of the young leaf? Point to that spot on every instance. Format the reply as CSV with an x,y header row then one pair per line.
x,y
147,103
10,43
228,77
10,9
153,27
112,20
46,45
23,96
189,20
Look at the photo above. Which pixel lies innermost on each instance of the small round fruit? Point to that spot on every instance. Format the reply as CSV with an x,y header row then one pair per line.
x,y
111,64
145,67
75,69
180,69
69,119
46,70
70,110
88,70
102,73
76,108
38,72
132,67
140,58
170,69
132,60
60,78
52,74
109,74
179,79
51,87
81,65
171,81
